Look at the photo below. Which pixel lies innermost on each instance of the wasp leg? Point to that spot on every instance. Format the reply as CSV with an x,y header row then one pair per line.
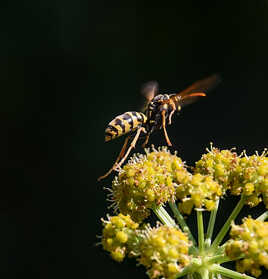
x,y
121,154
146,140
132,145
164,127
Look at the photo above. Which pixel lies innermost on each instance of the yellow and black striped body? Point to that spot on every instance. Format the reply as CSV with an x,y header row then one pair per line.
x,y
124,123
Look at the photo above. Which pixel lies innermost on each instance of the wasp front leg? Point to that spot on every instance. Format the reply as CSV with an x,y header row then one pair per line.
x,y
173,106
146,140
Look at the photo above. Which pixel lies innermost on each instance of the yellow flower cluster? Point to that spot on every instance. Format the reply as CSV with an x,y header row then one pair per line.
x,y
197,191
251,240
220,164
251,179
119,236
146,181
164,252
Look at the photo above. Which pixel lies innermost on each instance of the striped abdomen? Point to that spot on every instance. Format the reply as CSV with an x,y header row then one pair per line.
x,y
124,124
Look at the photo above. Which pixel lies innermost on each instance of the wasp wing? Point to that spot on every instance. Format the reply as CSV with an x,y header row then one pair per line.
x,y
198,89
148,91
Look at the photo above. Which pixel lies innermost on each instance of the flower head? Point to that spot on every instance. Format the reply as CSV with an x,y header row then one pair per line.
x,y
220,164
251,240
119,236
198,191
164,251
146,181
251,179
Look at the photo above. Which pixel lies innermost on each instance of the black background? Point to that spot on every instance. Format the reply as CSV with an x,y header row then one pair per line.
x,y
68,68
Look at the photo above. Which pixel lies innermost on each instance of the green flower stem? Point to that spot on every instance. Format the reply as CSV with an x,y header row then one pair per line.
x,y
171,220
184,272
211,224
218,259
163,216
181,221
226,259
263,217
227,224
204,273
228,272
200,227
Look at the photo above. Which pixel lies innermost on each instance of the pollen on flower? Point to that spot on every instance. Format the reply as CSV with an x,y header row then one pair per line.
x,y
146,181
119,236
199,191
250,240
220,164
164,251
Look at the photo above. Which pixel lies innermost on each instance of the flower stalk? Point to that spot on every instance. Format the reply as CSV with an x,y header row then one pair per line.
x,y
211,223
263,217
200,227
227,224
181,221
228,272
163,216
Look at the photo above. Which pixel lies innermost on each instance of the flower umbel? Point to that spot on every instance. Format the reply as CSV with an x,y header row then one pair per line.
x,y
119,236
251,240
146,181
164,251
198,191
169,250
251,179
220,164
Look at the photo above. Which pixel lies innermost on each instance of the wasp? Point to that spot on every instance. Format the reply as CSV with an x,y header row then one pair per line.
x,y
157,113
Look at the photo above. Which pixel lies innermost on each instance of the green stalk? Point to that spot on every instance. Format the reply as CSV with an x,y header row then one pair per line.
x,y
184,272
227,224
219,259
204,273
263,217
165,213
181,221
211,223
228,272
163,216
200,227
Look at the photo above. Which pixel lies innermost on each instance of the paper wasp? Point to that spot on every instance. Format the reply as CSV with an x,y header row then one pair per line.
x,y
158,112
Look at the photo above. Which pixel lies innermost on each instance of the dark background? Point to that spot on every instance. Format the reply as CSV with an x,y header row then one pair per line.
x,y
67,69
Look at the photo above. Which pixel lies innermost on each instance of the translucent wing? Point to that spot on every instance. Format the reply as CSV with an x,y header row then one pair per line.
x,y
198,89
148,91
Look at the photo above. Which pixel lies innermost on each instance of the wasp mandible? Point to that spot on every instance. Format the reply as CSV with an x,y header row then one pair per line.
x,y
157,113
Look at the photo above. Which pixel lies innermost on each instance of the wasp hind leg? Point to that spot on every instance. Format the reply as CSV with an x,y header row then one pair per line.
x,y
132,145
121,154
164,127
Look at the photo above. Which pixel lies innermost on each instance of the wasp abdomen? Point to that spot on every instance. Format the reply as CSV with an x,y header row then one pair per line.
x,y
124,124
